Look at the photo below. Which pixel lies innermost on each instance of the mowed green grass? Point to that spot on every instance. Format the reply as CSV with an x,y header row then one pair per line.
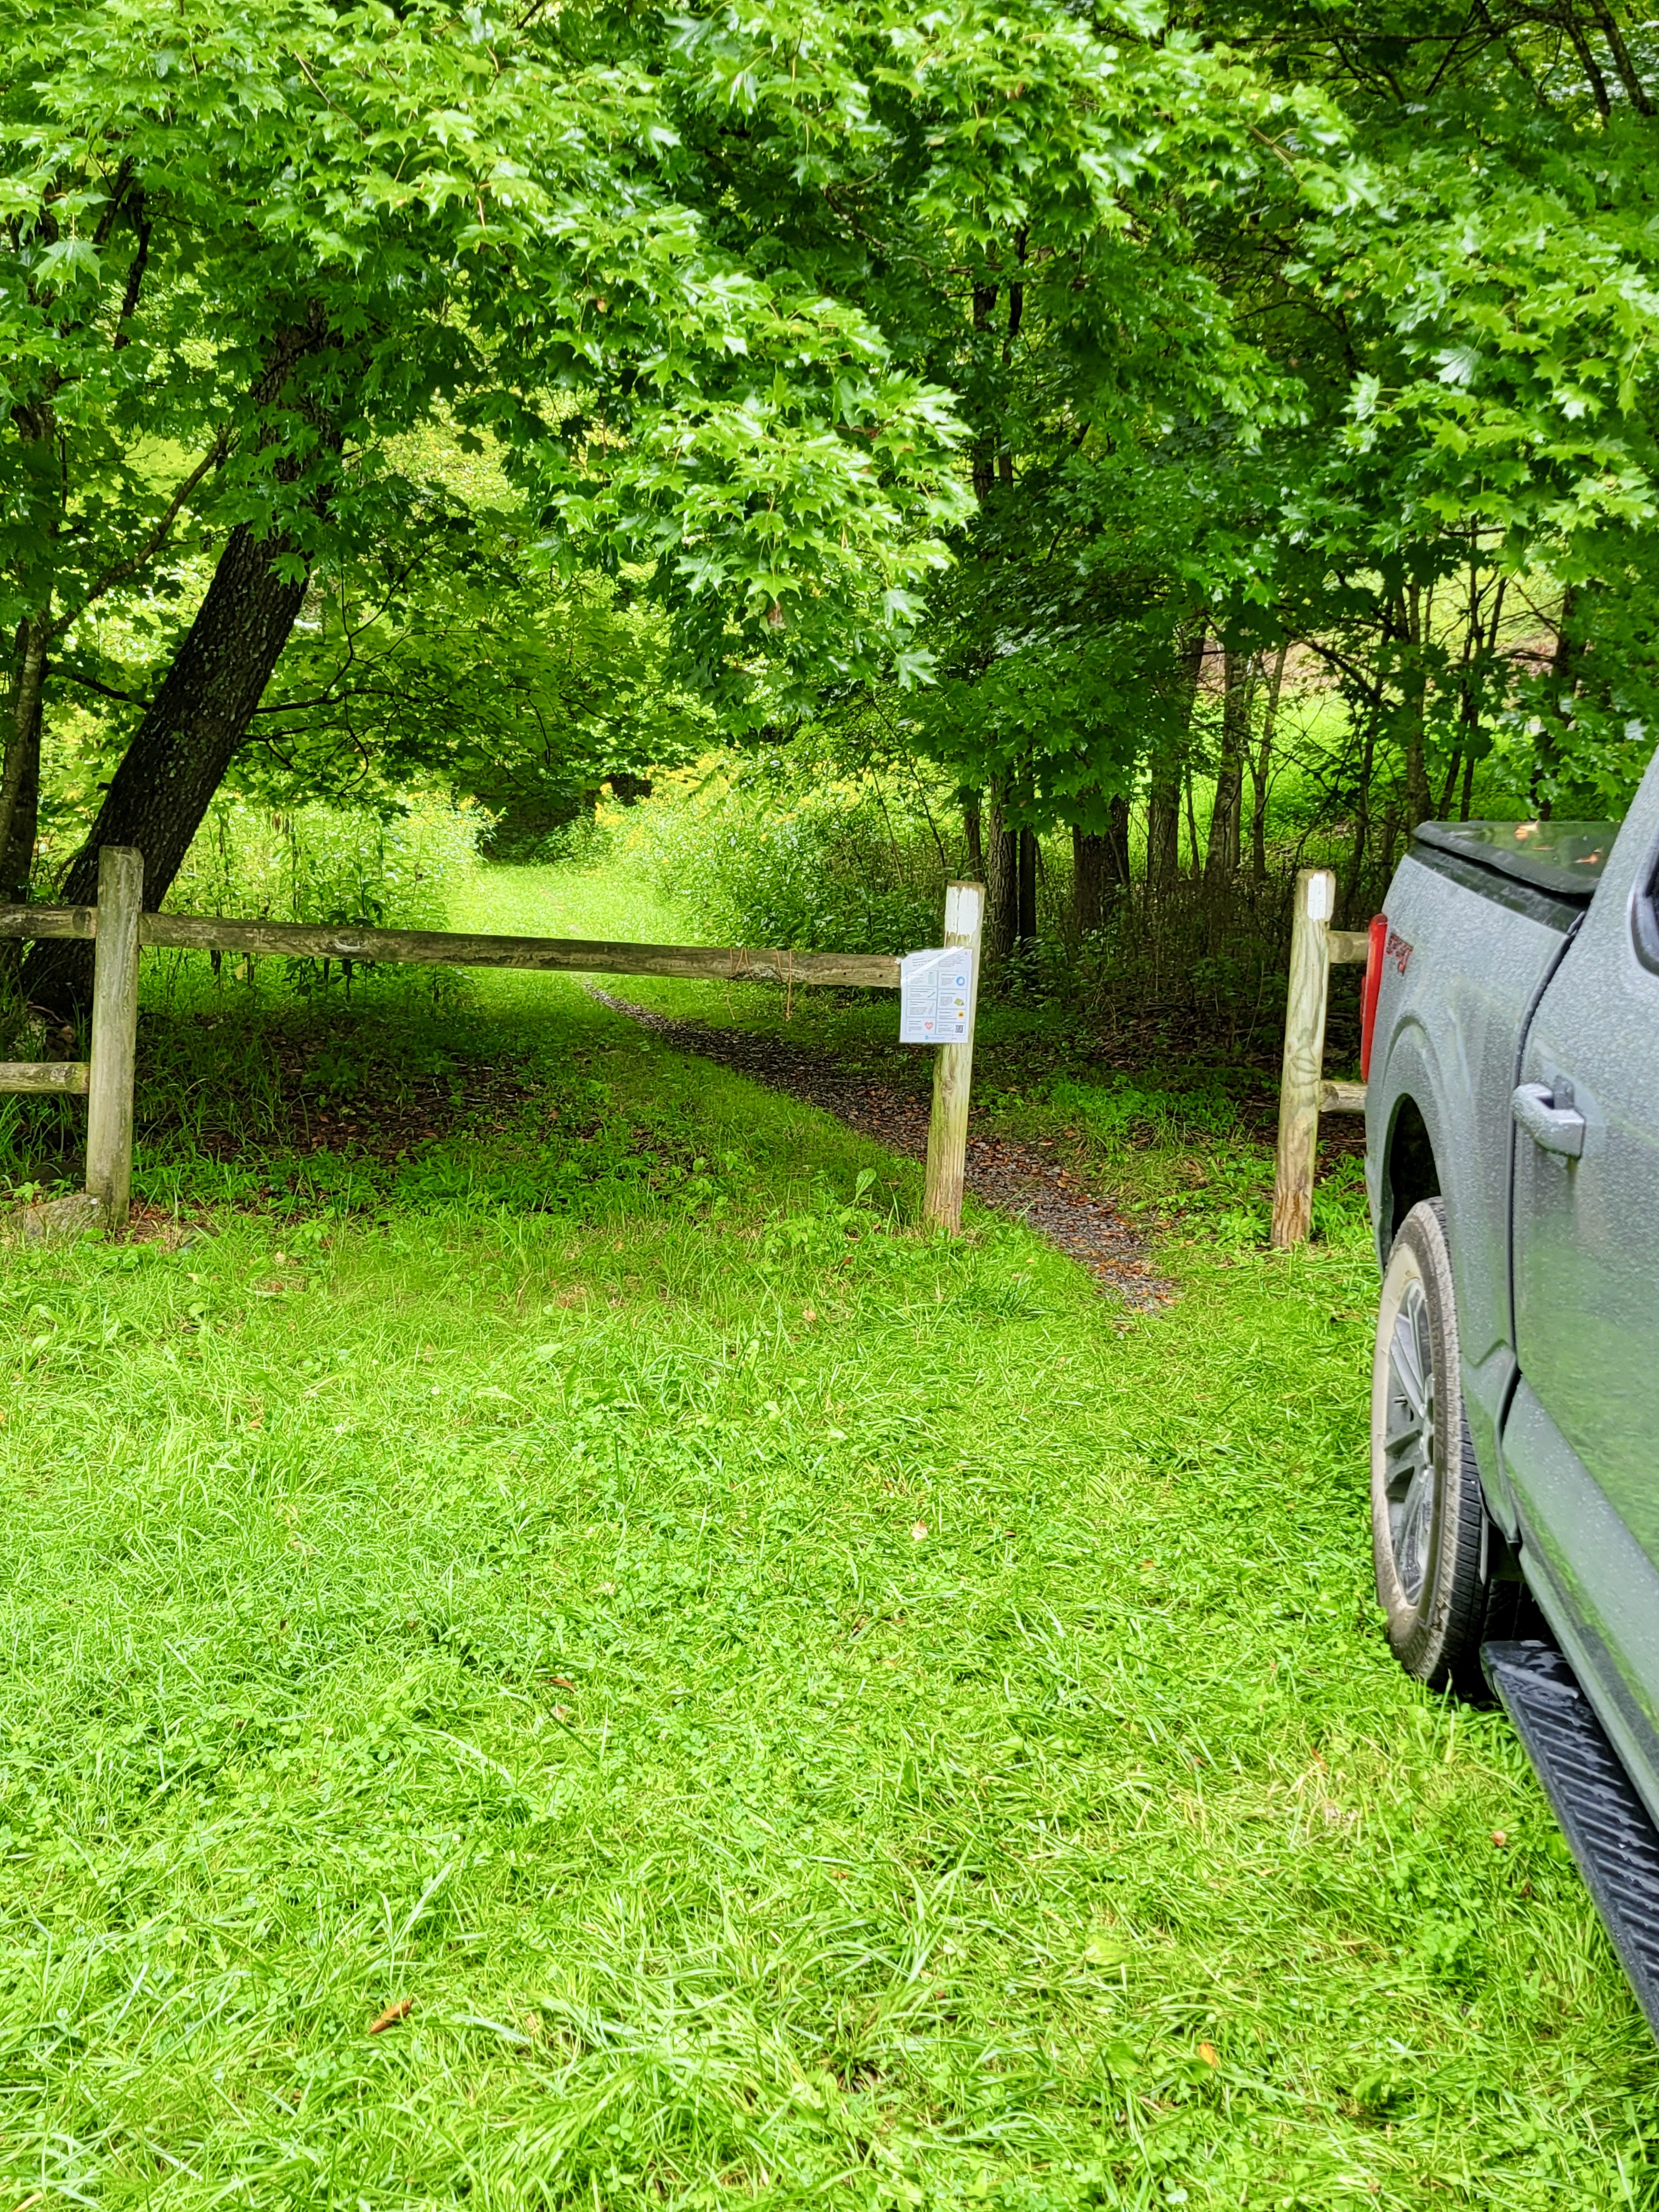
x,y
800,1712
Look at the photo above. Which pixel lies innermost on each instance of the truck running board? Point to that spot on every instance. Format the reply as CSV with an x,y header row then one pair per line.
x,y
1608,1827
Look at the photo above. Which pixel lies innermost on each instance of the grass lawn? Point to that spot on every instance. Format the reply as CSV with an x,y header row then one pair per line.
x,y
785,1710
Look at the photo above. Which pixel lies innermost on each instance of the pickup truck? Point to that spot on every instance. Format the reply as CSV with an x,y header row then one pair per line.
x,y
1510,1046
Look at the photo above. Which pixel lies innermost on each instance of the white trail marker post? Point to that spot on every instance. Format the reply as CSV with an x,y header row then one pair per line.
x,y
947,1127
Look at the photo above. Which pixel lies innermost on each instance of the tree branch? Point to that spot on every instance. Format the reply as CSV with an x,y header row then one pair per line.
x,y
153,543
1621,60
134,277
91,684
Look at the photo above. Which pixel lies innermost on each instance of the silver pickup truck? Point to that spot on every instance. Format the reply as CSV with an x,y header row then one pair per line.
x,y
1511,1051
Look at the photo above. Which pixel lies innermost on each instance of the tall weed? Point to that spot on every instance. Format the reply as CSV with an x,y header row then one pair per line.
x,y
328,867
792,854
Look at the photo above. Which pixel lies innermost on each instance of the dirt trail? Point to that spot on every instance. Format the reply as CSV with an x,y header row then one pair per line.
x,y
1028,1181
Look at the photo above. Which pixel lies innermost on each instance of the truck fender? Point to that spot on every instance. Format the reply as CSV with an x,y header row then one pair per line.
x,y
1413,1106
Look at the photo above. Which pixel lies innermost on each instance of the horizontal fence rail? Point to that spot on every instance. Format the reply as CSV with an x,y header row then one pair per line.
x,y
119,930
43,1074
263,940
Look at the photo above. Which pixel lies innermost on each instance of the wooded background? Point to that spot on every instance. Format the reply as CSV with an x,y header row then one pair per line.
x,y
1147,448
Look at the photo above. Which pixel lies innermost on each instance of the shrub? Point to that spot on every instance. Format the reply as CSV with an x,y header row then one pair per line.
x,y
787,853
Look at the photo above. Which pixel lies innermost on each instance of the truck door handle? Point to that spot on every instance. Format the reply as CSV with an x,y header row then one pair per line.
x,y
1550,1118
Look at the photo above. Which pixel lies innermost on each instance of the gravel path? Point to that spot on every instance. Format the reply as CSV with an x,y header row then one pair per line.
x,y
1028,1181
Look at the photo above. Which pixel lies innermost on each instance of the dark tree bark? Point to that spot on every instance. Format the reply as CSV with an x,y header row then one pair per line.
x,y
1222,853
20,775
1362,813
1100,869
1088,880
1262,771
1002,870
1118,874
1027,924
1414,687
193,727
984,457
1164,830
972,830
19,790
1164,799
188,737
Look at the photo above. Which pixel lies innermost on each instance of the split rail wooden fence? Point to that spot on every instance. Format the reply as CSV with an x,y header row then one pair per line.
x,y
120,931
1304,1091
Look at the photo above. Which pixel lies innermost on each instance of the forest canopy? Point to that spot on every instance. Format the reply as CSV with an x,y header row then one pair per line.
x,y
513,402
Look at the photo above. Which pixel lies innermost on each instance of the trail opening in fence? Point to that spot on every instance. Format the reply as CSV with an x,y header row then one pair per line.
x,y
1303,1092
119,930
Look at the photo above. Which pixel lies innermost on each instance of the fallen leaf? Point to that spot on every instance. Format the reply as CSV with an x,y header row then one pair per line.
x,y
918,1530
1206,2051
398,2009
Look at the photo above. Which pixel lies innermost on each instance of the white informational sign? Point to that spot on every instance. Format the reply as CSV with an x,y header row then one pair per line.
x,y
935,991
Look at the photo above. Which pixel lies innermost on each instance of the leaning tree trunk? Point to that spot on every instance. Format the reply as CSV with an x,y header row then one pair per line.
x,y
188,737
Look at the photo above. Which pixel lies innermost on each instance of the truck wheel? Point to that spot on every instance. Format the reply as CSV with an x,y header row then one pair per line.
x,y
1430,1534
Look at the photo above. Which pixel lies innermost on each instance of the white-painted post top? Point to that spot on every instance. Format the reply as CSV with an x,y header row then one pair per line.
x,y
1321,894
963,903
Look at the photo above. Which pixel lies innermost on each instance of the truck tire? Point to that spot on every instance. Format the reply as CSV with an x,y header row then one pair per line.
x,y
1433,1540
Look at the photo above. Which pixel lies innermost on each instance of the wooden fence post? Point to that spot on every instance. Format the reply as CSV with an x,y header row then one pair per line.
x,y
953,1068
114,1031
1305,1057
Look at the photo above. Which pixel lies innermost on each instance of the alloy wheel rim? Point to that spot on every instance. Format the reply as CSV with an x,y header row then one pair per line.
x,y
1409,1442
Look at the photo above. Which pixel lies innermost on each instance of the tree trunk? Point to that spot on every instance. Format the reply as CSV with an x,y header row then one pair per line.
x,y
17,857
1100,868
1221,856
1163,831
20,786
1089,867
1262,771
1164,799
1118,870
1002,870
1563,681
1414,690
983,458
973,831
1028,876
20,792
186,740
1362,816
20,770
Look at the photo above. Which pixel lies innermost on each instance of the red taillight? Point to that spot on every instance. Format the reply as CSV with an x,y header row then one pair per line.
x,y
1379,936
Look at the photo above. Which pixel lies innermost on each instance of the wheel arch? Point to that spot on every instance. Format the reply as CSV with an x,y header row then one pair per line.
x,y
1411,1168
